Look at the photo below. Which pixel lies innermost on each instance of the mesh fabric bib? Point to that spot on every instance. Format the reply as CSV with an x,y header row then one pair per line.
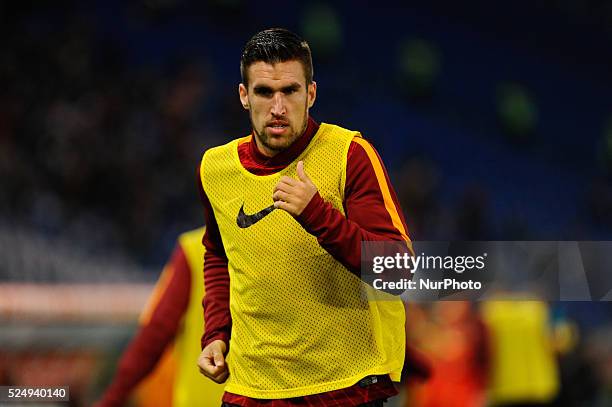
x,y
302,323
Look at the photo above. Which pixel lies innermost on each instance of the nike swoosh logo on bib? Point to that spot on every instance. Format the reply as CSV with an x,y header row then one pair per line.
x,y
244,221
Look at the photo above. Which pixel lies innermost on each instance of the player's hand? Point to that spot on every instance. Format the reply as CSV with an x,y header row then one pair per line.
x,y
293,195
212,361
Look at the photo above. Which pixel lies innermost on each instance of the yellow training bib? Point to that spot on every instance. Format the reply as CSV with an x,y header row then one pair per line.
x,y
302,323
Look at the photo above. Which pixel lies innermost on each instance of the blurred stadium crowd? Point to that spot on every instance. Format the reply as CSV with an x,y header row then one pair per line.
x,y
108,106
494,118
93,148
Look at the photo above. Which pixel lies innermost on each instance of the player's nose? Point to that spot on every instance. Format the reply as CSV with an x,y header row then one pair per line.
x,y
278,105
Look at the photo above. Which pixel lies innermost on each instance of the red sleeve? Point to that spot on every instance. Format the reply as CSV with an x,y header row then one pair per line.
x,y
218,323
148,345
371,206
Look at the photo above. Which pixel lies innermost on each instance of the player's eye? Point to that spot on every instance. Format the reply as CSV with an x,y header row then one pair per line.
x,y
262,91
290,90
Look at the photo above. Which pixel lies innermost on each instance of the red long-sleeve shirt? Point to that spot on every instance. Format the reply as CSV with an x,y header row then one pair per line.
x,y
368,218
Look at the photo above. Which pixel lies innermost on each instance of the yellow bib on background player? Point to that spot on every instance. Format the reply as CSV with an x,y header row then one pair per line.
x,y
524,369
301,322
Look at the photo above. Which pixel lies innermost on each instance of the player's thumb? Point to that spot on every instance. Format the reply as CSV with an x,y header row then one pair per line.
x,y
218,358
301,173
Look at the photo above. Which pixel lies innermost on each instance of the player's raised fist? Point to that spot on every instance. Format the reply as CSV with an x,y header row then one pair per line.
x,y
293,195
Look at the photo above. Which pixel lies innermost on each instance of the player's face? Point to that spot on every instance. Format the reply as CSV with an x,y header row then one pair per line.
x,y
278,100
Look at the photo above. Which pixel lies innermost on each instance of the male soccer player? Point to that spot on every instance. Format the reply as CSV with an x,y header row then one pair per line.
x,y
286,210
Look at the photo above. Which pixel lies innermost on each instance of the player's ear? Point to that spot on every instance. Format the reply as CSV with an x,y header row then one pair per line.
x,y
244,97
312,93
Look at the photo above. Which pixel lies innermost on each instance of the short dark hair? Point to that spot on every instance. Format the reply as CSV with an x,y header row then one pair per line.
x,y
276,45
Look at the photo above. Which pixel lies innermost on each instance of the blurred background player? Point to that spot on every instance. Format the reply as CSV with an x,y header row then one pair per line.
x,y
453,338
168,342
524,363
